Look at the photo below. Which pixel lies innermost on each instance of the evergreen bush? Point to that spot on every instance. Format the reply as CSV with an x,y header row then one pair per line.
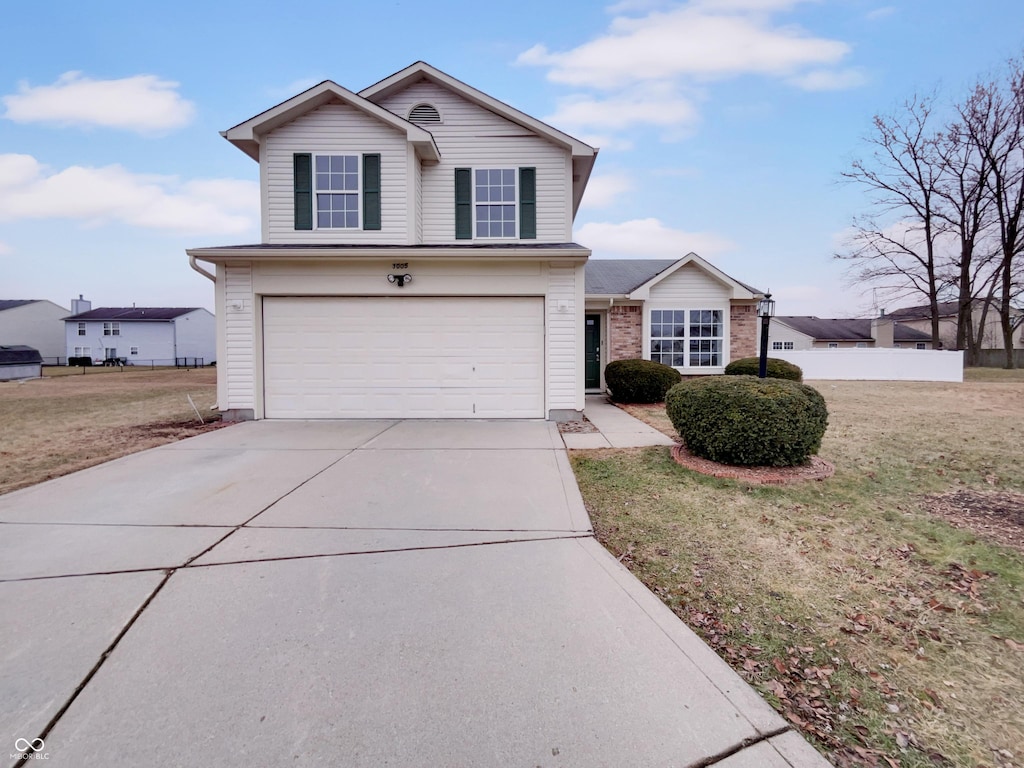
x,y
748,421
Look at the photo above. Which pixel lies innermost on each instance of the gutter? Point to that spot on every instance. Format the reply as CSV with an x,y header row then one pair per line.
x,y
200,270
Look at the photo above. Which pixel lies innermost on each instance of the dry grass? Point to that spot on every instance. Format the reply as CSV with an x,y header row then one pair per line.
x,y
884,633
69,421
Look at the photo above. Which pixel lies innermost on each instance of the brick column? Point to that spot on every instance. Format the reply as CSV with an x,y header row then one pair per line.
x,y
625,331
743,331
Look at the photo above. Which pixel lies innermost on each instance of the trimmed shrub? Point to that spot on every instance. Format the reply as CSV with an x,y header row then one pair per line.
x,y
748,421
639,381
777,369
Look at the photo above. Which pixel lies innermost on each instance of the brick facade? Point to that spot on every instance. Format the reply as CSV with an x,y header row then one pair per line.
x,y
625,331
743,330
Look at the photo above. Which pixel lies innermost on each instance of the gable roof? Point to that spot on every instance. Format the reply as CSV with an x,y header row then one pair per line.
x,y
19,354
846,329
583,155
14,303
246,135
946,309
133,313
634,277
622,276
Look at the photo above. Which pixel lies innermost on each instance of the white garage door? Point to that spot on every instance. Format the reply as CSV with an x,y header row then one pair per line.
x,y
403,357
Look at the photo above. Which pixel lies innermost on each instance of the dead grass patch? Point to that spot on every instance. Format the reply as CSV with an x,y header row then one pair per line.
x,y
60,424
881,631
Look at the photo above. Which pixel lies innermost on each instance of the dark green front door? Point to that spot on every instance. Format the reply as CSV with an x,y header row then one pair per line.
x,y
592,351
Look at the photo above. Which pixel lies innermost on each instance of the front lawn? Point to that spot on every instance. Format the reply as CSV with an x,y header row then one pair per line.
x,y
883,632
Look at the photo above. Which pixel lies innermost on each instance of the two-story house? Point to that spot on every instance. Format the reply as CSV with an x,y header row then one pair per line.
x,y
416,259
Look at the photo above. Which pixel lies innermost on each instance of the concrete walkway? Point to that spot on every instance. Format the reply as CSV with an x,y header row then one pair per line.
x,y
349,593
617,428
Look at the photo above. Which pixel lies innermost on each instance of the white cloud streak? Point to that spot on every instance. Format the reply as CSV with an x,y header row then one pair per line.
x,y
605,190
113,194
692,40
648,239
144,103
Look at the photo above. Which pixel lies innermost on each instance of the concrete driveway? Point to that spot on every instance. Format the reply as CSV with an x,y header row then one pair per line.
x,y
358,593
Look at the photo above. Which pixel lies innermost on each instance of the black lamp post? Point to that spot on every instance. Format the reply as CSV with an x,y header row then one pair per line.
x,y
766,309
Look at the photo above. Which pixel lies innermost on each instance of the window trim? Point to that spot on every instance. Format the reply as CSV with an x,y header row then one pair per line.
x,y
358,192
133,350
81,329
111,328
723,339
515,202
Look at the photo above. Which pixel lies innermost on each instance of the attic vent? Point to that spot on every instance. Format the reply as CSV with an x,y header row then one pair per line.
x,y
424,113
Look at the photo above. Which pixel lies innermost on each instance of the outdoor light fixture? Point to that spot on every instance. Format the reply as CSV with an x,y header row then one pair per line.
x,y
400,280
766,309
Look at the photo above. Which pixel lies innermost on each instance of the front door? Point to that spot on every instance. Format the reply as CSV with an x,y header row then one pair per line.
x,y
592,351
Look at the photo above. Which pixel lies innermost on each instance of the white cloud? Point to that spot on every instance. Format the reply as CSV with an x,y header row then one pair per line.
x,y
605,190
648,239
693,40
5,248
830,80
881,13
656,106
143,103
112,194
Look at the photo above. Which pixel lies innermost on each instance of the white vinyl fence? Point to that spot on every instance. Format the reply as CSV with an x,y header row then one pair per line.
x,y
877,364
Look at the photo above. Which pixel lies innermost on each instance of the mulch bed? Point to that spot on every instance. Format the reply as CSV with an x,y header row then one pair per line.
x,y
997,515
816,469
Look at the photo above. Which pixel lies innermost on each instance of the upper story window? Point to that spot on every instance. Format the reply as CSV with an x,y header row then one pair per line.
x,y
495,194
782,345
111,329
81,329
337,191
496,203
687,338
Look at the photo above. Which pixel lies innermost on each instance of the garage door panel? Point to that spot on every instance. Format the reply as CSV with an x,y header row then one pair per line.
x,y
403,358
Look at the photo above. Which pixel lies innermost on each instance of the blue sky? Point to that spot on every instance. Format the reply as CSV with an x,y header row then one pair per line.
x,y
723,124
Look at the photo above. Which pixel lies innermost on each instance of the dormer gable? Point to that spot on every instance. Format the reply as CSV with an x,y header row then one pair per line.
x,y
246,136
583,155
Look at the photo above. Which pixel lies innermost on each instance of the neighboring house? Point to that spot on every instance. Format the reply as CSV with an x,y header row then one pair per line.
x,y
36,323
920,317
18,361
142,335
795,332
416,259
681,312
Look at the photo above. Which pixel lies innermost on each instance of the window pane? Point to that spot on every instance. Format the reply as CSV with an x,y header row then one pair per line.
x,y
508,229
352,220
483,194
350,164
679,331
323,163
508,178
323,220
679,360
323,180
655,316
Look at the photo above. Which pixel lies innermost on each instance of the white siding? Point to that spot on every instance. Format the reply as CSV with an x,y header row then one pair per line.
x,y
689,287
779,331
238,369
472,137
195,336
39,325
565,319
338,129
154,340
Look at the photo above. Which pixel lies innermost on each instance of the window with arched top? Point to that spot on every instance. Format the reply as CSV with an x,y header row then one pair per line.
x,y
424,114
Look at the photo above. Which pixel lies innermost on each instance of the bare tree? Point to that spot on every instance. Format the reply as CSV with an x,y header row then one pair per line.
x,y
895,246
994,120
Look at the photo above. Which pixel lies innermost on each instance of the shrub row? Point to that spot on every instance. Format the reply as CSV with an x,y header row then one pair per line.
x,y
777,369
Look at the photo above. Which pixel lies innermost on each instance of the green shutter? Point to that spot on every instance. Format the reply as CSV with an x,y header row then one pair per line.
x,y
302,169
463,204
371,191
528,203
